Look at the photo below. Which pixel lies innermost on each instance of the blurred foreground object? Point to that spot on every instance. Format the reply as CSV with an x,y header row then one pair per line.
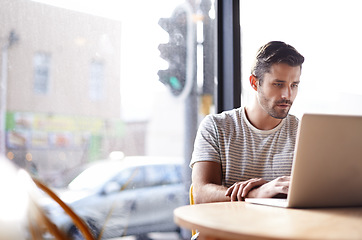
x,y
14,201
20,215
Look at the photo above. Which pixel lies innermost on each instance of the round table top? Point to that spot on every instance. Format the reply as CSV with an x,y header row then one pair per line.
x,y
240,220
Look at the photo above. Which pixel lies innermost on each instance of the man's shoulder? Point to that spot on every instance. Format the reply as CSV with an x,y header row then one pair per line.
x,y
227,119
228,114
292,119
291,123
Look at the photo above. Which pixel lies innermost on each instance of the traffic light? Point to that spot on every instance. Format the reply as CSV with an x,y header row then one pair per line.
x,y
179,51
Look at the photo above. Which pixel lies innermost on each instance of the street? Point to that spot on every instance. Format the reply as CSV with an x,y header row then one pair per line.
x,y
154,236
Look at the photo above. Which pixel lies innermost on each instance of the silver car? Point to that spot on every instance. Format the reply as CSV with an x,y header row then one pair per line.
x,y
132,196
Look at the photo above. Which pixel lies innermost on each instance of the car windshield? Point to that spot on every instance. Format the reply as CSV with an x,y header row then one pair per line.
x,y
93,177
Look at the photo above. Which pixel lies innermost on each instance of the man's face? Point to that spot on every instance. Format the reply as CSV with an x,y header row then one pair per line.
x,y
279,89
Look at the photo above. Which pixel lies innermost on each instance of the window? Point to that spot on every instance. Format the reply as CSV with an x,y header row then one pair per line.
x,y
101,76
96,80
105,78
41,73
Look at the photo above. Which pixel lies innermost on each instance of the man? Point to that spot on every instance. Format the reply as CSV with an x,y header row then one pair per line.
x,y
248,152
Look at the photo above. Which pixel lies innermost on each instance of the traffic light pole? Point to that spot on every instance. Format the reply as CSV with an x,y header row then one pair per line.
x,y
191,109
180,76
3,89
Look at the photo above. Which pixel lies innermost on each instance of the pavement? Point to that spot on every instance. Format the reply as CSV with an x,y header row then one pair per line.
x,y
155,236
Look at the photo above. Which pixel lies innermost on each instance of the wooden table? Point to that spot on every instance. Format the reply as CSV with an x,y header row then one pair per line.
x,y
240,220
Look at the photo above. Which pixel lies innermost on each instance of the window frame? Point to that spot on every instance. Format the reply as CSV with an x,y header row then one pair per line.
x,y
229,85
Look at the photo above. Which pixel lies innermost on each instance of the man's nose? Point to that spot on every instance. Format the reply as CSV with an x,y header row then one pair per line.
x,y
286,92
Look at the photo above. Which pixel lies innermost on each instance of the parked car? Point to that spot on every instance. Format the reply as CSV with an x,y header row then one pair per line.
x,y
132,196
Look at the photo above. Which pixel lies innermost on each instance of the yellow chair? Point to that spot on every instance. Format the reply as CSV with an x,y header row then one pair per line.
x,y
194,233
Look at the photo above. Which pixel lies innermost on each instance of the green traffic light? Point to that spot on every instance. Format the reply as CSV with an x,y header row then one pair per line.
x,y
175,83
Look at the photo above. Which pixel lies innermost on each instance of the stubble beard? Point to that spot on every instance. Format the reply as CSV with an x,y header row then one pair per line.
x,y
273,110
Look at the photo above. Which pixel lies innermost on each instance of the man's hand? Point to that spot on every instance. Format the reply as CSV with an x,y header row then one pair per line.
x,y
258,187
239,190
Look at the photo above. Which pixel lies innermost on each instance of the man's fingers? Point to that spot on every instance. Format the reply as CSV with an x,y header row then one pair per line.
x,y
238,191
255,182
230,190
283,184
283,179
283,187
241,190
234,195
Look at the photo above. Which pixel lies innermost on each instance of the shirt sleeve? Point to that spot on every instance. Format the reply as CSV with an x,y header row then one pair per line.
x,y
206,146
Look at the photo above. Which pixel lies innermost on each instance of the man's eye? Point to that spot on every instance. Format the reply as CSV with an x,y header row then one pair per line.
x,y
294,85
278,84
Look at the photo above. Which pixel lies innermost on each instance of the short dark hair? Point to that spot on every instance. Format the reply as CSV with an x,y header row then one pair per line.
x,y
272,53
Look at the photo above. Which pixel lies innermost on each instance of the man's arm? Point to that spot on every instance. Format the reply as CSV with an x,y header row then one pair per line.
x,y
258,188
207,183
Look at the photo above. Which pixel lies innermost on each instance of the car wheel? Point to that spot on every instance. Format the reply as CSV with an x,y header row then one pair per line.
x,y
75,234
143,237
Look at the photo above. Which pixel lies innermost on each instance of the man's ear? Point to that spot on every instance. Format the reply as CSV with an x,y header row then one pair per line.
x,y
253,82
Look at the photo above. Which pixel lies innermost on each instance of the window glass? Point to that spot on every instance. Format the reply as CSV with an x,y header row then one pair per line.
x,y
41,73
95,176
131,178
86,79
325,33
158,175
96,80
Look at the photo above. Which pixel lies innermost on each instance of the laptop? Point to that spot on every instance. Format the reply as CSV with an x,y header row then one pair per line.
x,y
327,165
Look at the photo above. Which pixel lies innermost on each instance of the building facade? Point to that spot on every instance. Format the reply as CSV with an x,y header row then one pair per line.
x,y
62,75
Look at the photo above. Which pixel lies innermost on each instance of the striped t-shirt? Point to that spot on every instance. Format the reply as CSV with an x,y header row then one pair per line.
x,y
244,151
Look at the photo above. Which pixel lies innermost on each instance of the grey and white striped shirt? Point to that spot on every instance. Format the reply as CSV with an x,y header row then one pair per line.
x,y
244,151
